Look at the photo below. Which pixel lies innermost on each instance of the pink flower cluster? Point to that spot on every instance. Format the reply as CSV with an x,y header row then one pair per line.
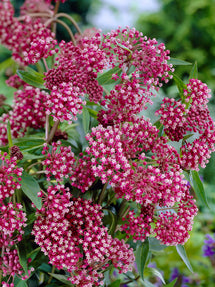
x,y
29,39
74,76
142,67
191,115
12,218
120,156
59,162
28,111
10,176
70,231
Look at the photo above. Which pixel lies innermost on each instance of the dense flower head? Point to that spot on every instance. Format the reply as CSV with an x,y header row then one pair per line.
x,y
82,176
105,150
12,221
169,225
10,177
10,264
115,151
126,47
173,117
172,227
182,118
59,161
126,100
139,225
65,102
29,40
70,231
28,111
77,65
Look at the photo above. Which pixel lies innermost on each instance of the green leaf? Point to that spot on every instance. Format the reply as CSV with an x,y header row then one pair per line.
x,y
32,78
198,187
157,274
29,156
106,78
18,282
180,85
124,47
9,137
113,222
92,113
86,120
142,254
21,248
182,252
172,284
187,137
33,253
31,188
61,278
115,283
178,62
155,245
194,72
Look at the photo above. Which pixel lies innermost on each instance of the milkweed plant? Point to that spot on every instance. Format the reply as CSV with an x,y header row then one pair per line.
x,y
88,183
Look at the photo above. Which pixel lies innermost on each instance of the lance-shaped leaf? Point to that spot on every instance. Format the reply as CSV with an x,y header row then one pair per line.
x,y
22,256
18,282
61,278
106,78
171,284
142,254
86,120
178,62
180,85
198,187
31,188
182,252
157,273
194,72
9,136
32,78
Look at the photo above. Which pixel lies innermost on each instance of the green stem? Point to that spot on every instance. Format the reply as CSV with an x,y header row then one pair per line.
x,y
33,164
71,19
52,271
54,20
45,64
47,128
102,194
52,132
67,28
122,210
129,281
56,8
9,137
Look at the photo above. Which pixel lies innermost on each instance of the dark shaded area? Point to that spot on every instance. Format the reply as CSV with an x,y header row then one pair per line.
x,y
78,9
